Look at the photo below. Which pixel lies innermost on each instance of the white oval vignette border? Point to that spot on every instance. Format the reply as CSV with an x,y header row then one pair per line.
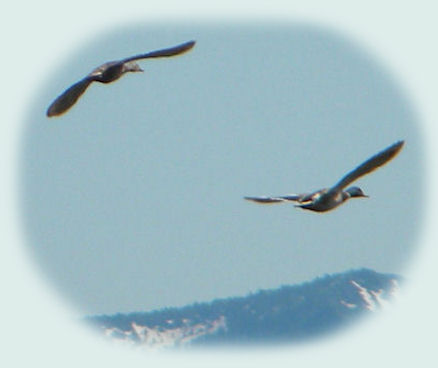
x,y
37,327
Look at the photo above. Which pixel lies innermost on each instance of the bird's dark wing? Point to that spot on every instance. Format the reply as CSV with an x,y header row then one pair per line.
x,y
369,165
68,98
172,51
268,200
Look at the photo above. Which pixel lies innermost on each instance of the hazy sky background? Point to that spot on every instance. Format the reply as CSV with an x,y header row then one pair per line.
x,y
36,321
133,200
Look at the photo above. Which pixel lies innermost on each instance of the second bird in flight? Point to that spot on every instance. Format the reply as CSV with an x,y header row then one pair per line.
x,y
107,73
329,198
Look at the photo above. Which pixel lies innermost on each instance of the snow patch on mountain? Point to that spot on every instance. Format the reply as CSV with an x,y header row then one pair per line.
x,y
373,300
158,337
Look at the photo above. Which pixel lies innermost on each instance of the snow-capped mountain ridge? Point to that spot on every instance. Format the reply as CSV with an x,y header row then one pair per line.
x,y
287,314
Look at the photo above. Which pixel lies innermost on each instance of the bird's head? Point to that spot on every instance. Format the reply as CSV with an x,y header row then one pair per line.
x,y
132,67
356,192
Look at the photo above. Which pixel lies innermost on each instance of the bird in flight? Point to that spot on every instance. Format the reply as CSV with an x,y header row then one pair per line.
x,y
107,73
329,198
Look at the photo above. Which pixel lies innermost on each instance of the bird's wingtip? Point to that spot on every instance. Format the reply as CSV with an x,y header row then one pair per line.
x,y
190,44
52,112
49,113
397,146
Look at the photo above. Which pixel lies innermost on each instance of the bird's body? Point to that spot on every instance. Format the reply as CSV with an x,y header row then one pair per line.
x,y
329,198
107,73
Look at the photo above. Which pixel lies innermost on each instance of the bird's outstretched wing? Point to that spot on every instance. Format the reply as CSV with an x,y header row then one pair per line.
x,y
369,165
279,199
172,51
68,98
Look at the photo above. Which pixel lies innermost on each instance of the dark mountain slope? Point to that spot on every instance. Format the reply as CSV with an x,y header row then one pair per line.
x,y
286,314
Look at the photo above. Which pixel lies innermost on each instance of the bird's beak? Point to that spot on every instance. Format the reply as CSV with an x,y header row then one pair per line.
x,y
136,69
133,67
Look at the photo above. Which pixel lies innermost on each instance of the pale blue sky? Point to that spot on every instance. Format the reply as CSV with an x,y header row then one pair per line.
x,y
133,200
